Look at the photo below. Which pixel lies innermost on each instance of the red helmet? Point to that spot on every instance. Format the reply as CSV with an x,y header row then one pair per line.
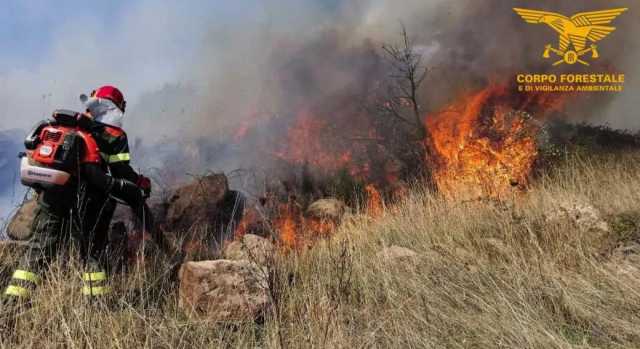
x,y
111,93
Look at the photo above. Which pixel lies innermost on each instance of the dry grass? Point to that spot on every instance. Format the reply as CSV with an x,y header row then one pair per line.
x,y
488,275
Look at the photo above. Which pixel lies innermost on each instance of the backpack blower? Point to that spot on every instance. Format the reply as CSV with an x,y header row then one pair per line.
x,y
54,149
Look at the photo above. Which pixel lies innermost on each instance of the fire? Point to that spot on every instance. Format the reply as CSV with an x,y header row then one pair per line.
x,y
374,201
307,144
296,231
315,142
286,226
249,218
485,143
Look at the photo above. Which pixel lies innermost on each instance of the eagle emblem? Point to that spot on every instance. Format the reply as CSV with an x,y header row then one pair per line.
x,y
575,32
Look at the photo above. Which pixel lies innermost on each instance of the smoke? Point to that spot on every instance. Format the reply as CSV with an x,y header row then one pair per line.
x,y
297,57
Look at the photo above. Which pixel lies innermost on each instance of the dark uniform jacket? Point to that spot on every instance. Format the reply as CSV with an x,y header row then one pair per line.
x,y
114,149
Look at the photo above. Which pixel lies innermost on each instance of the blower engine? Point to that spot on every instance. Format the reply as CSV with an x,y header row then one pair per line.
x,y
54,150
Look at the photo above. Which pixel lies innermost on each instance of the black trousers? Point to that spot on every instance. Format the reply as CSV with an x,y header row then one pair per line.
x,y
69,217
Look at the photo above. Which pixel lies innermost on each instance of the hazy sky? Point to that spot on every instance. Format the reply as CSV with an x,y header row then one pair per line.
x,y
54,50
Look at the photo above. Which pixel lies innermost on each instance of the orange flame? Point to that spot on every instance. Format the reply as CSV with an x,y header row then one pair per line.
x,y
305,145
296,231
248,222
484,144
320,227
374,201
288,232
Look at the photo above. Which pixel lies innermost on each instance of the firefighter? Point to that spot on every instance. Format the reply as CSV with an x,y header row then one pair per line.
x,y
106,107
81,212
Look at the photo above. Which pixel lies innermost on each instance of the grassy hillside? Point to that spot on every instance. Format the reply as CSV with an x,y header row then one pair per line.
x,y
487,275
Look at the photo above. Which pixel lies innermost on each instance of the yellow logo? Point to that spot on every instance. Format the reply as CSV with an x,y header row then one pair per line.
x,y
574,32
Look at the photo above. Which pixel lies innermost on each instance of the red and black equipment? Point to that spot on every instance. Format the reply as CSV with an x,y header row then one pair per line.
x,y
55,149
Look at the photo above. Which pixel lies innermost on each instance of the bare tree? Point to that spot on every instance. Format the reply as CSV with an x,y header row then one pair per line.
x,y
408,74
398,111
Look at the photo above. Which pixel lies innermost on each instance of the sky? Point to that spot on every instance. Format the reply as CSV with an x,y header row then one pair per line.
x,y
51,51
27,27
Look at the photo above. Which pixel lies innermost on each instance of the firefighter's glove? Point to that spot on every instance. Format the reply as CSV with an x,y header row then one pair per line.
x,y
144,183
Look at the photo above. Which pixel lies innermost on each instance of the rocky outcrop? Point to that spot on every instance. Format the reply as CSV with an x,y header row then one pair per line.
x,y
206,201
19,227
327,209
580,214
223,290
196,202
252,248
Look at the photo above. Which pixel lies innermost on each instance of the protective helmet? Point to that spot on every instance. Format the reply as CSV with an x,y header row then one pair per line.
x,y
106,105
111,93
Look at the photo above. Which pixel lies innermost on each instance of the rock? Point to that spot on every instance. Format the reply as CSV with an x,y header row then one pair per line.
x,y
579,212
253,222
19,227
196,203
331,209
396,253
204,206
252,248
223,290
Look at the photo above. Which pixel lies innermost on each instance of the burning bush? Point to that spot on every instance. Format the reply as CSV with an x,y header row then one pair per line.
x,y
485,143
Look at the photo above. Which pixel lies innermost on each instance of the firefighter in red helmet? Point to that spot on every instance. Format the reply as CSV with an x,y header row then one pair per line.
x,y
79,207
106,106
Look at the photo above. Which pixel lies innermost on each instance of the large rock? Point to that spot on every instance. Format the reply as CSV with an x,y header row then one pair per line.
x,y
250,247
223,290
205,202
331,209
197,202
19,227
579,213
